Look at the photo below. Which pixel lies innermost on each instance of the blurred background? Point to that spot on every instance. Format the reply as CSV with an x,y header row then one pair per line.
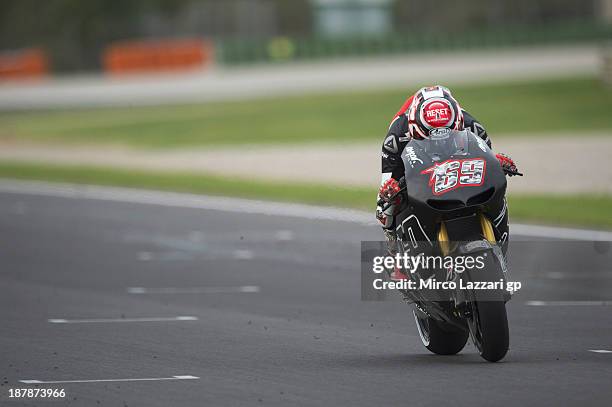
x,y
163,93
75,36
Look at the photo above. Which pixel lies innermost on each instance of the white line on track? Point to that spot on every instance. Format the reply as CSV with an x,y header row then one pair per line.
x,y
145,379
600,351
567,303
145,256
284,235
580,275
195,290
236,205
109,320
559,232
243,254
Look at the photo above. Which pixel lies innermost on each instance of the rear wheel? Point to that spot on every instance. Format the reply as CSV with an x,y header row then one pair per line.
x,y
440,338
488,324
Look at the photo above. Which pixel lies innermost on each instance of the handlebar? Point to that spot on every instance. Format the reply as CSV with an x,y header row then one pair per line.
x,y
512,173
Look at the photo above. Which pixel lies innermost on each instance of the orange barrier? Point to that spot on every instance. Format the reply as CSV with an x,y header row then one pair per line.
x,y
25,64
163,55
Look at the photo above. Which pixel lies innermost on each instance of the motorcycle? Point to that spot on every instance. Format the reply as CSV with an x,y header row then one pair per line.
x,y
456,188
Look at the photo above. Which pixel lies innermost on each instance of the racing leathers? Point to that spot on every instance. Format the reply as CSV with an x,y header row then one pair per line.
x,y
393,170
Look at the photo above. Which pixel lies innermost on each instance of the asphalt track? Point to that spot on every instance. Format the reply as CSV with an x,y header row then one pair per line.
x,y
297,334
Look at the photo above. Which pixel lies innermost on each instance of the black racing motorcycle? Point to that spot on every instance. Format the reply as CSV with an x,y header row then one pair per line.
x,y
455,190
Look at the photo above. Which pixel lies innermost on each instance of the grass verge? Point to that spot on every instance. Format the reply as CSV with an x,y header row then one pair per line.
x,y
580,104
592,211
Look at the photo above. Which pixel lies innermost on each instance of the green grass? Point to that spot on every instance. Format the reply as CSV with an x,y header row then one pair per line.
x,y
593,211
194,183
580,104
584,210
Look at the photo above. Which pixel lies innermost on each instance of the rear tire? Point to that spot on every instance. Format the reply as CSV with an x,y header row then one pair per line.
x,y
440,338
489,329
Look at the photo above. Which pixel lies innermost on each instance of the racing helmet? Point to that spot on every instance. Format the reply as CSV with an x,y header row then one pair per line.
x,y
433,108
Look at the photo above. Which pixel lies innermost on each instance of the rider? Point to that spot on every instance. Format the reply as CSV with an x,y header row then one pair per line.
x,y
430,108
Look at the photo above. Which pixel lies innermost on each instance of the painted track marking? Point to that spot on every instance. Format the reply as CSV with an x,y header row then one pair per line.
x,y
145,379
194,290
567,303
107,320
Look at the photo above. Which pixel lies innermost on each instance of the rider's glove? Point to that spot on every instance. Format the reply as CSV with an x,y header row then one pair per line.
x,y
507,164
388,189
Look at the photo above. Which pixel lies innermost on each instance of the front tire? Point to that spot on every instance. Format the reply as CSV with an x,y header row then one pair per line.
x,y
489,329
440,338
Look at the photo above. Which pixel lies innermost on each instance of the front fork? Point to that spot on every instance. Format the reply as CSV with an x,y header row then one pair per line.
x,y
489,235
485,225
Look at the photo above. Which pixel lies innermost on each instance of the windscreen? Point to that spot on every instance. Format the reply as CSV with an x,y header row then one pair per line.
x,y
445,143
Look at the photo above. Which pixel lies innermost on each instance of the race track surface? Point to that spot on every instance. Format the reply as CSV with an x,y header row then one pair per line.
x,y
270,314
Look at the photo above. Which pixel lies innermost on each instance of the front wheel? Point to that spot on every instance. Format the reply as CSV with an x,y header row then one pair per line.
x,y
440,338
488,323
